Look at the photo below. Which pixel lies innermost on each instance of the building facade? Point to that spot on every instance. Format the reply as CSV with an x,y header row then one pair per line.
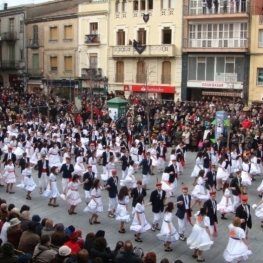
x,y
145,48
215,49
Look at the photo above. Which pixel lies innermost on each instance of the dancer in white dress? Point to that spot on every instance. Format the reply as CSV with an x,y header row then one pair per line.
x,y
9,175
99,150
53,155
52,190
198,166
139,223
93,162
28,148
122,213
199,193
234,160
79,167
200,238
225,206
110,167
134,153
222,171
72,195
245,175
259,211
35,156
255,167
130,180
237,248
260,189
153,153
166,185
95,206
19,149
172,157
168,233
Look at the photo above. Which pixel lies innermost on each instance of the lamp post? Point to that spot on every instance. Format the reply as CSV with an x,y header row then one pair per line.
x,y
24,76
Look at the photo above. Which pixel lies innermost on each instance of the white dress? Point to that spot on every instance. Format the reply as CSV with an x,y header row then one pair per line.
x,y
259,211
225,206
260,188
9,174
93,161
122,213
246,179
72,196
166,186
79,167
28,183
134,154
19,150
93,207
52,190
100,150
255,167
199,238
129,180
198,167
28,149
154,157
222,172
234,163
199,191
236,249
172,157
35,157
165,234
135,226
110,166
54,157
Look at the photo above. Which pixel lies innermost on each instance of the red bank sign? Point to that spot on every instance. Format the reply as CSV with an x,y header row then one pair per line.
x,y
149,88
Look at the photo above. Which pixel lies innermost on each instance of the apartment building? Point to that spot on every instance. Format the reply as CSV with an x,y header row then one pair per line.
x,y
215,60
145,48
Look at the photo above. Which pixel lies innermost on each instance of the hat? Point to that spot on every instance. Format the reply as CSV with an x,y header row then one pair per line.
x,y
244,197
173,159
114,172
14,222
8,249
212,193
36,218
89,166
158,184
64,251
139,182
73,235
70,229
184,188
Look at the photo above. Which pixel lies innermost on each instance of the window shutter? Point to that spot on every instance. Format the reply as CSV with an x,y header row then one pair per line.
x,y
68,32
68,63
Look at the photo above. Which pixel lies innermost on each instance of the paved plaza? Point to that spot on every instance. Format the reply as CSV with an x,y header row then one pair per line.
x,y
180,251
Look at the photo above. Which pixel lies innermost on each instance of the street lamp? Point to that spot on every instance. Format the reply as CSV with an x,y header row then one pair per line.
x,y
24,76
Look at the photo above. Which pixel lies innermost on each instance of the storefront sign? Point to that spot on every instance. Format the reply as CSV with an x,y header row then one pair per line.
x,y
213,84
149,88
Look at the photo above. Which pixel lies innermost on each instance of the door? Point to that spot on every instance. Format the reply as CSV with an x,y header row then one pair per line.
x,y
166,72
141,72
11,54
35,64
120,71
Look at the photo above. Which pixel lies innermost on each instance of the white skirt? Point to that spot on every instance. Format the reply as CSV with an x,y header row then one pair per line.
x,y
225,207
18,152
29,184
122,214
73,197
222,174
260,188
10,178
196,170
246,180
93,207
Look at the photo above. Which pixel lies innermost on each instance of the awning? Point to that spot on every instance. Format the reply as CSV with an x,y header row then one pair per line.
x,y
34,82
221,94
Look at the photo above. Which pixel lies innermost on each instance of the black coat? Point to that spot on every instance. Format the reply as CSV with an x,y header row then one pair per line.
x,y
242,214
207,160
40,167
181,208
67,173
13,158
135,194
125,162
157,202
211,180
210,211
146,168
90,176
113,190
104,158
174,175
234,183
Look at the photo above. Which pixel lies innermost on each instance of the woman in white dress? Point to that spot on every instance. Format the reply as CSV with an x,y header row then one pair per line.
x,y
13,143
66,154
110,166
134,153
259,211
199,194
35,156
9,175
225,206
200,238
122,213
130,180
222,171
198,166
28,148
95,206
52,190
99,150
93,162
255,167
237,248
139,223
19,149
172,157
260,189
53,155
153,157
168,233
79,167
245,175
72,195
166,185
234,160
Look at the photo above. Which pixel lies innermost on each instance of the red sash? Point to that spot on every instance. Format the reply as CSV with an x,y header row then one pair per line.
x,y
215,231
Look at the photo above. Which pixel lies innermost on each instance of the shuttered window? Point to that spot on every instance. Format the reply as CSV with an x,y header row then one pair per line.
x,y
120,71
54,63
141,72
68,32
68,63
93,28
121,37
93,61
53,33
142,36
166,72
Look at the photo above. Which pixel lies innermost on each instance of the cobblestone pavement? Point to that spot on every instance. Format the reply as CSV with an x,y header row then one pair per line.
x,y
180,251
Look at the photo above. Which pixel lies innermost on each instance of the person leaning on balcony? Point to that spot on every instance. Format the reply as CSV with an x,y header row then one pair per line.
x,y
209,6
237,5
204,6
216,6
225,6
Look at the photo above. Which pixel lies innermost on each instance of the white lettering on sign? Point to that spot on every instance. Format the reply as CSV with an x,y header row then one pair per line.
x,y
212,84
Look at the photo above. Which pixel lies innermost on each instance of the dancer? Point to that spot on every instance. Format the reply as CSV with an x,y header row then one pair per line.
x,y
106,158
67,170
95,206
173,175
79,167
139,223
110,166
161,156
225,206
166,185
130,181
53,155
245,175
125,160
210,178
259,211
255,167
89,176
122,213
260,189
136,191
237,248
52,191
43,173
93,162
200,238
154,159
134,153
72,195
234,159
198,166
146,164
10,176
222,171
236,187
168,233
111,186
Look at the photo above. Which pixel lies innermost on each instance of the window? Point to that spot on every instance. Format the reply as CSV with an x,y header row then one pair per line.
x,y
164,4
135,6
68,32
260,38
120,37
21,27
53,33
93,28
119,71
35,32
11,51
260,77
141,36
118,7
124,6
166,72
142,7
141,78
93,61
167,35
68,63
150,4
11,24
53,63
171,3
35,62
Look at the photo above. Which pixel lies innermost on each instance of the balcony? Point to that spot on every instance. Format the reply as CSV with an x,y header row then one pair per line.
x,y
196,11
148,51
92,39
140,78
91,73
166,79
9,36
35,73
34,43
119,78
9,64
215,45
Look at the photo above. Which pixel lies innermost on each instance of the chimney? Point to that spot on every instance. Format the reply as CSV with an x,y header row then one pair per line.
x,y
5,6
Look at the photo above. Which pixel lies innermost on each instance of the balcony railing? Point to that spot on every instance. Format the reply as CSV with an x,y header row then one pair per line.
x,y
166,79
35,72
9,36
232,7
140,78
215,43
34,43
119,78
9,64
144,51
91,73
92,39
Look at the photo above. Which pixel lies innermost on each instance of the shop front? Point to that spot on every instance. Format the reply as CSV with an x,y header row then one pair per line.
x,y
156,91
